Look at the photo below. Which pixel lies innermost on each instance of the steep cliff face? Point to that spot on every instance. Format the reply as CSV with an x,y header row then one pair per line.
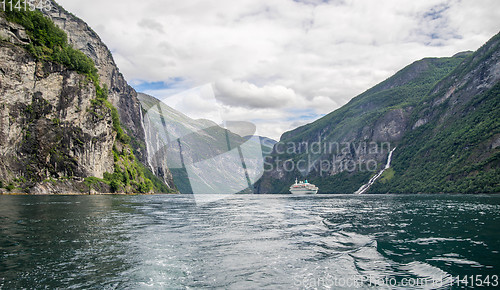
x,y
49,127
59,129
340,151
157,157
121,95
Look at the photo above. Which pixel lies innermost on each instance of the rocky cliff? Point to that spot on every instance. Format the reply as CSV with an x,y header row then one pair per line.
x,y
59,130
121,95
48,126
410,111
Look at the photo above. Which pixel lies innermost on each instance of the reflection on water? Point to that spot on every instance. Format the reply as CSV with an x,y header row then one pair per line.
x,y
244,241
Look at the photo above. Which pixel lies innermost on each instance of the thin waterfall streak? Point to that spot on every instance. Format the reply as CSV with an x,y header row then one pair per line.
x,y
372,180
147,136
243,164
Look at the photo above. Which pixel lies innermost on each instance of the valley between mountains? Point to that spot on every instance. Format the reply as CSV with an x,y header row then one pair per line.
x,y
70,122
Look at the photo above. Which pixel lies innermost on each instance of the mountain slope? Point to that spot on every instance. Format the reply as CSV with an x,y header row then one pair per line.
x,y
202,156
363,131
455,142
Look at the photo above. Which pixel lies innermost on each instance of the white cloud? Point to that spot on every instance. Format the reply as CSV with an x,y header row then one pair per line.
x,y
197,103
245,94
267,57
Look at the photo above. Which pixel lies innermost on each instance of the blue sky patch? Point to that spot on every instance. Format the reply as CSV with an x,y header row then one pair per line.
x,y
143,86
303,114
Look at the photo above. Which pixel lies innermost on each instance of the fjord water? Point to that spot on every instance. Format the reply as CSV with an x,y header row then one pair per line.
x,y
243,241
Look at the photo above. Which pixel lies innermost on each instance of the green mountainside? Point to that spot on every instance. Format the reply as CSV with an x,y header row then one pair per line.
x,y
403,90
442,115
458,147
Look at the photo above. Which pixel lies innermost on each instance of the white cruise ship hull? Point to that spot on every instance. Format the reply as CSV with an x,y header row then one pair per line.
x,y
303,187
303,191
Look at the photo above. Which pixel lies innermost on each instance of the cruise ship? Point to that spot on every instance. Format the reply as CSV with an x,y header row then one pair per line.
x,y
303,187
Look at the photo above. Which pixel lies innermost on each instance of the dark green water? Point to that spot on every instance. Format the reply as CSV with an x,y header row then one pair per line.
x,y
250,241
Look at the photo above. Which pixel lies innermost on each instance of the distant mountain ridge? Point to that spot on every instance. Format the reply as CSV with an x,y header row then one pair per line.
x,y
412,110
202,156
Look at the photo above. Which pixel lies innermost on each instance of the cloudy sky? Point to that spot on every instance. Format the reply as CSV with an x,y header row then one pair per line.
x,y
278,63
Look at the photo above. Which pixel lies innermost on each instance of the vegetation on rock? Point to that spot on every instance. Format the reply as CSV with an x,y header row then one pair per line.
x,y
48,43
403,91
449,141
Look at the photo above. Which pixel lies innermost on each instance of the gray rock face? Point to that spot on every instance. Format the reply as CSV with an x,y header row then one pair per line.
x,y
157,157
482,73
49,127
391,126
122,96
13,32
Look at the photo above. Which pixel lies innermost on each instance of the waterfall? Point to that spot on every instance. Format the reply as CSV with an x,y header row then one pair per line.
x,y
147,139
372,180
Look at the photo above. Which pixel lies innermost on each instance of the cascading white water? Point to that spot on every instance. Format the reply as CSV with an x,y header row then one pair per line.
x,y
372,180
147,139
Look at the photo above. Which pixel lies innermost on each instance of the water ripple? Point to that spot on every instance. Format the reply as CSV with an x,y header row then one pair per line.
x,y
242,242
